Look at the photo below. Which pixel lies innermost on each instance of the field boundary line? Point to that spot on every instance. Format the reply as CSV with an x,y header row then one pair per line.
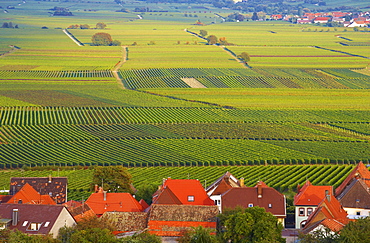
x,y
347,53
119,65
72,37
14,48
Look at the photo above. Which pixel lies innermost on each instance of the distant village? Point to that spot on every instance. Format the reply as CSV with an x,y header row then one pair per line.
x,y
40,206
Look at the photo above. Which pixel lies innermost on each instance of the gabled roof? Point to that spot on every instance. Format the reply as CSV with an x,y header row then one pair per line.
x,y
360,171
310,195
180,191
328,209
143,203
356,195
118,202
54,186
222,184
28,195
261,195
32,213
79,210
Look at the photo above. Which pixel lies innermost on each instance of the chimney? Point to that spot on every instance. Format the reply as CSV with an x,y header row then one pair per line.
x,y
15,217
259,190
105,195
49,178
298,188
96,188
20,201
242,182
327,194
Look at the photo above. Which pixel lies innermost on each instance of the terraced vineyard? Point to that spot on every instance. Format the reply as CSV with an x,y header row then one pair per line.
x,y
280,177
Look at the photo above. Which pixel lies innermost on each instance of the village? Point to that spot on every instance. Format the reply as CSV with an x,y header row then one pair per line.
x,y
40,206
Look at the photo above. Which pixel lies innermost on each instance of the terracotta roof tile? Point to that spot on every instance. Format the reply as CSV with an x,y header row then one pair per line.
x,y
360,171
188,192
28,195
119,202
311,195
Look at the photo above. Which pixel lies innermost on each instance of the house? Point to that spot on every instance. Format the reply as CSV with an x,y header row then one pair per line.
x,y
357,23
173,220
321,20
328,214
181,192
179,205
101,202
55,187
276,17
28,195
261,195
303,21
79,210
360,171
306,201
35,219
354,192
355,199
221,185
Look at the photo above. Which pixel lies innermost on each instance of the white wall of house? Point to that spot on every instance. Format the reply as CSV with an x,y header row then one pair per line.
x,y
301,214
64,219
357,211
217,200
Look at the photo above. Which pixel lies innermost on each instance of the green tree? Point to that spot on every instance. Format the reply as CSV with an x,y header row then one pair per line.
x,y
319,236
101,39
114,178
203,33
20,237
255,16
212,39
93,235
101,25
244,57
146,192
198,235
253,225
84,26
144,237
356,231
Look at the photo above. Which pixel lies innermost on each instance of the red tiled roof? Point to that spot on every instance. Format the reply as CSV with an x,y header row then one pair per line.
x,y
311,195
322,18
222,184
119,202
360,171
329,208
143,203
178,191
270,199
28,195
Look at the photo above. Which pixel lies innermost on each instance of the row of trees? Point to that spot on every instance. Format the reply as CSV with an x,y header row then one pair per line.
x,y
9,25
99,25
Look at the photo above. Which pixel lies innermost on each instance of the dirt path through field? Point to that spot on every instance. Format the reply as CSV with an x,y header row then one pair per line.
x,y
233,55
118,66
14,48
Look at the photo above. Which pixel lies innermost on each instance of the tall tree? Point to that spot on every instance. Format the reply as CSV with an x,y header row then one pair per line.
x,y
253,225
255,16
102,39
244,57
113,178
101,25
212,39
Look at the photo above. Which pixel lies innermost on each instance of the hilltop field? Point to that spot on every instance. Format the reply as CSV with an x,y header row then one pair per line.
x,y
167,98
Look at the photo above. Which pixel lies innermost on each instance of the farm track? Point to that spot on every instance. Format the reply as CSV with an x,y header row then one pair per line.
x,y
118,66
74,39
9,52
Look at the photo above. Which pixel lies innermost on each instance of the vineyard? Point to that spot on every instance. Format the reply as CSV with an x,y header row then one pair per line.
x,y
280,177
245,78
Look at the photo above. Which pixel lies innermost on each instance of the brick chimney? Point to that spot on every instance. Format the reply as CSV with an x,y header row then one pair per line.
x,y
259,190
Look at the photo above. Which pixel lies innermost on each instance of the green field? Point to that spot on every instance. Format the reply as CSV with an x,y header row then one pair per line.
x,y
303,97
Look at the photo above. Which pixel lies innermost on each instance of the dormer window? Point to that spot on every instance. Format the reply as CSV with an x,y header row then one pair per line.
x,y
34,226
190,198
270,205
250,205
46,224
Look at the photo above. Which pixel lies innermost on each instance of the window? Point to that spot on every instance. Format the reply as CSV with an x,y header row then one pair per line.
x,y
25,223
270,205
250,205
358,213
190,198
34,226
309,211
301,212
217,202
46,224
